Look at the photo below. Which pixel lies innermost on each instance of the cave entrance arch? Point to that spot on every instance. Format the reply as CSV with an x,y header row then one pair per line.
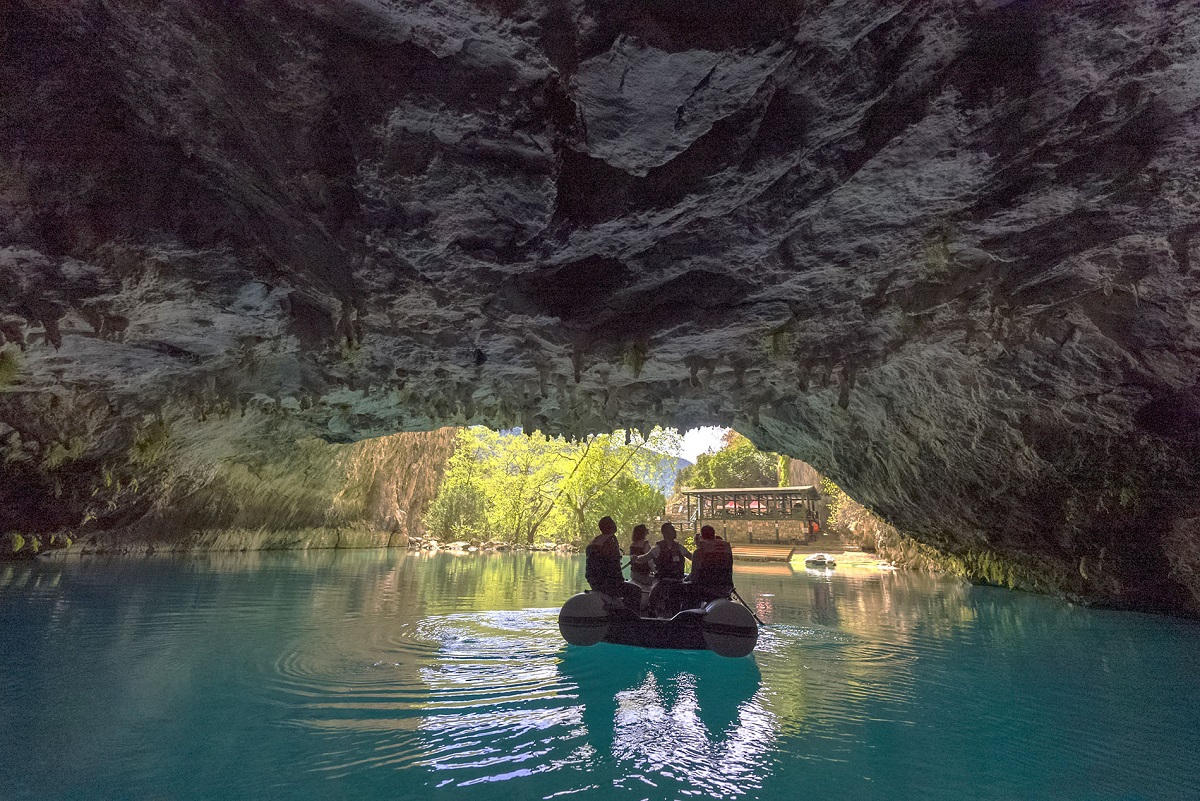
x,y
736,511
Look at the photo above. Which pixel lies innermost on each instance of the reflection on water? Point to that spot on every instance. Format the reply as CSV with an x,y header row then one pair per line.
x,y
671,720
500,697
377,674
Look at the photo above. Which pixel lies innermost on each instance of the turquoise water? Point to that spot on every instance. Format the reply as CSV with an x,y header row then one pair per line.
x,y
363,675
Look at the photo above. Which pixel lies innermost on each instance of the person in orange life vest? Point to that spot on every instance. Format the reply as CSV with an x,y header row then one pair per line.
x,y
667,555
712,568
603,567
639,569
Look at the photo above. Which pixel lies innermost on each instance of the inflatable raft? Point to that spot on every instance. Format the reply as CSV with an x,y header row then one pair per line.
x,y
820,560
720,626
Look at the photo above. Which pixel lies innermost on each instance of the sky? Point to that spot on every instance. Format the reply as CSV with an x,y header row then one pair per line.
x,y
695,441
701,440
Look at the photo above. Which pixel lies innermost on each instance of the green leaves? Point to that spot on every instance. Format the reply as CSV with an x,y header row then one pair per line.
x,y
738,464
522,489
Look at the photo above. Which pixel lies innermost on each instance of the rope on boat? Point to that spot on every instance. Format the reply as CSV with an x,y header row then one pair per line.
x,y
738,595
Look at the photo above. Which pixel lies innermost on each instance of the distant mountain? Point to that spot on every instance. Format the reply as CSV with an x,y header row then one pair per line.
x,y
662,477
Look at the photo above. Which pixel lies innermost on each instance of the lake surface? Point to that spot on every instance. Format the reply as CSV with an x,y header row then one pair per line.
x,y
380,674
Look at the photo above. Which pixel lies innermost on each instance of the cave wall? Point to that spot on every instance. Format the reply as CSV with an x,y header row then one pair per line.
x,y
303,493
77,476
944,251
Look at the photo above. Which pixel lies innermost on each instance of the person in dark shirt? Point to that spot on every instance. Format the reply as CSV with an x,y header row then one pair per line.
x,y
603,567
712,568
667,556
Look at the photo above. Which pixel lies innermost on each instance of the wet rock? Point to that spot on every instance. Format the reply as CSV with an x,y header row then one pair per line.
x,y
946,253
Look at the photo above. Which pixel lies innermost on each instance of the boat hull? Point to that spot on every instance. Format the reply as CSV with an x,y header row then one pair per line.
x,y
682,631
720,626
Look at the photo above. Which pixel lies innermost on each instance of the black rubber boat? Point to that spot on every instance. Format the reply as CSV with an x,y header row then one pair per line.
x,y
721,626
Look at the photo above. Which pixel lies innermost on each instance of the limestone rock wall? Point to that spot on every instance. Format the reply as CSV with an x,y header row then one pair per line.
x,y
306,494
944,251
74,474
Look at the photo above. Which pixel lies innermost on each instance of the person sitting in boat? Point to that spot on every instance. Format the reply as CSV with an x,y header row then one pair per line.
x,y
712,568
603,567
639,569
667,556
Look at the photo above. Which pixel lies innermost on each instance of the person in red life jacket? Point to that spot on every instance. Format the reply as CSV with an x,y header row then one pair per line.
x,y
639,569
603,567
668,556
712,568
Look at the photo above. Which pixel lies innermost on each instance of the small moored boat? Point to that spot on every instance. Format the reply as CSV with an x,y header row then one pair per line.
x,y
819,560
720,626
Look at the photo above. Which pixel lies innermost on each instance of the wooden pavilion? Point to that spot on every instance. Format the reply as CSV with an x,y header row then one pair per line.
x,y
763,503
737,510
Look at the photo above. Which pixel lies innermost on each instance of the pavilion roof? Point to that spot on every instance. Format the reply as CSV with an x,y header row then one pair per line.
x,y
807,491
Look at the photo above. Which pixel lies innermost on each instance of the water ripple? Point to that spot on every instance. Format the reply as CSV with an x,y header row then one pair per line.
x,y
314,677
493,696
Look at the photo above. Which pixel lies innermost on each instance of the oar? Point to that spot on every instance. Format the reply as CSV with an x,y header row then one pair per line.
x,y
738,595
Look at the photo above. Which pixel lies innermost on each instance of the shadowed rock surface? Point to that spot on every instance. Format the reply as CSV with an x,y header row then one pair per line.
x,y
945,252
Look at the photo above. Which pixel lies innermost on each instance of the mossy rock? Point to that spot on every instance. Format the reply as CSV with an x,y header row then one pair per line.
x,y
63,453
59,541
935,256
634,357
10,366
150,443
19,546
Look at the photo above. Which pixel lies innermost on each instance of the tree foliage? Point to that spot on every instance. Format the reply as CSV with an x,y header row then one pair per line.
x,y
737,464
519,488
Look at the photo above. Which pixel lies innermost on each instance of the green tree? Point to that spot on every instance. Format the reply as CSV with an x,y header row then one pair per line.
x,y
738,464
611,478
521,488
458,511
522,473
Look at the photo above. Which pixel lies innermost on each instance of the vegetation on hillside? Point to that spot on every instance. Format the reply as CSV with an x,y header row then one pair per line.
x,y
525,488
737,464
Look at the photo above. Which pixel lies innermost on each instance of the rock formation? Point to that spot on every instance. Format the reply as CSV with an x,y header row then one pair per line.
x,y
941,250
79,475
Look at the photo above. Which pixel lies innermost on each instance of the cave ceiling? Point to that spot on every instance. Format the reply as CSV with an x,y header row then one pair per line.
x,y
945,251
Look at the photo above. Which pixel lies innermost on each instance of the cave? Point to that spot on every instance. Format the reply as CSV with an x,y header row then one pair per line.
x,y
941,252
